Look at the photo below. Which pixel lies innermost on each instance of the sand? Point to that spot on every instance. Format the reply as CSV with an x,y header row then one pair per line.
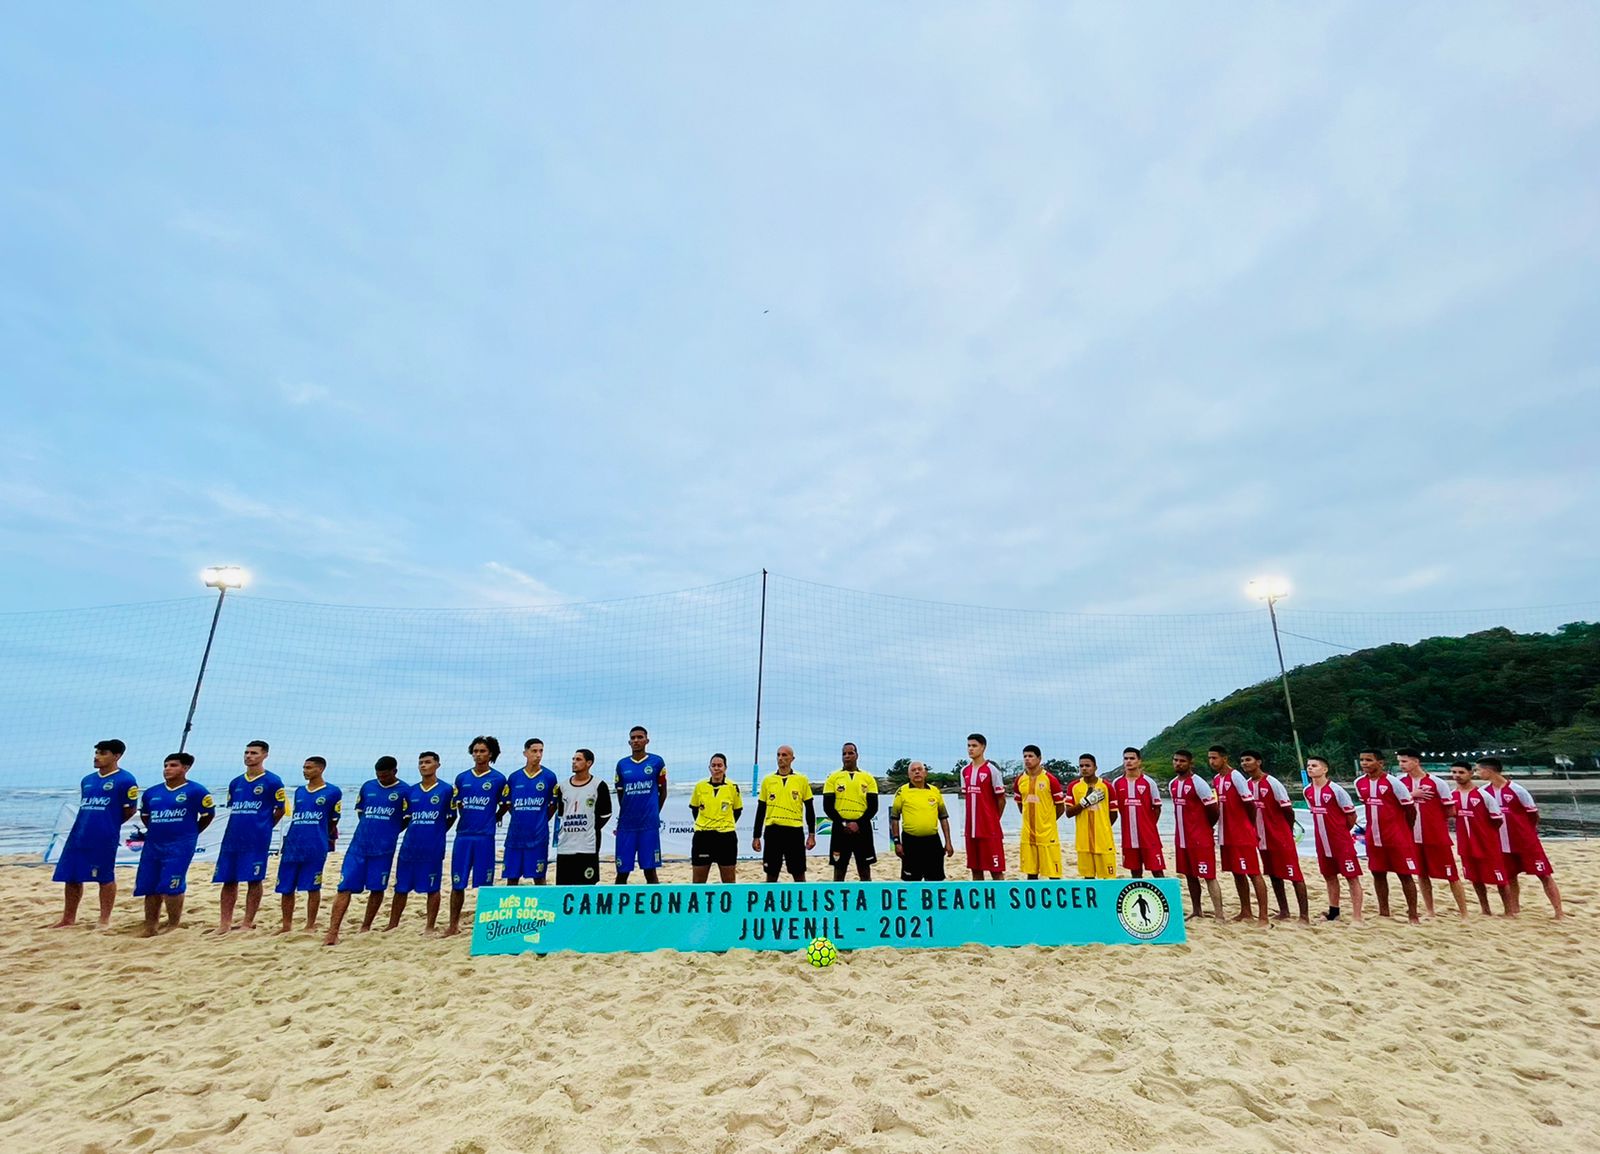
x,y
1439,1037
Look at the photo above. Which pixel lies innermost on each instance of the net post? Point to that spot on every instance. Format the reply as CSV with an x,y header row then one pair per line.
x,y
188,722
761,660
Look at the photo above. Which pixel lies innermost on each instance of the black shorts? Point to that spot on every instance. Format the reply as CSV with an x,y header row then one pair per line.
x,y
577,869
844,845
714,847
921,858
784,847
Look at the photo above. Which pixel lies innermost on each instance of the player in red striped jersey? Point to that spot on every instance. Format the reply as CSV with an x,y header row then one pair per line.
x,y
1280,857
1478,822
1333,817
1519,836
1430,825
1390,846
984,793
1194,812
1236,829
1136,798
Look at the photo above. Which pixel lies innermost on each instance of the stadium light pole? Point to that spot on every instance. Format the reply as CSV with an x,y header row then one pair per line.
x,y
1272,590
221,578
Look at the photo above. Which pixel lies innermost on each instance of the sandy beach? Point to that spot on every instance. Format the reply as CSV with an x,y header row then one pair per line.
x,y
1439,1037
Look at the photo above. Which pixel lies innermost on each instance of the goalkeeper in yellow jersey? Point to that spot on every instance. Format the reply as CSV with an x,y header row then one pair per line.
x,y
1089,801
1040,799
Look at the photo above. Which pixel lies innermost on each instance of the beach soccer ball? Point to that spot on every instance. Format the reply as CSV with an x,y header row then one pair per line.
x,y
821,952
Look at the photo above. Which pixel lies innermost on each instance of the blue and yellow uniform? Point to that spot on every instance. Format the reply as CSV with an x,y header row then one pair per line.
x,y
477,801
381,811
254,806
534,799
305,843
639,812
90,854
421,862
172,830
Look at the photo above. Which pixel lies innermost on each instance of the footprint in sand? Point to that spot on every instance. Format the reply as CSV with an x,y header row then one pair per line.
x,y
193,1137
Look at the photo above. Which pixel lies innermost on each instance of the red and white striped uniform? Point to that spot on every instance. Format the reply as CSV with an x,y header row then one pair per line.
x,y
1479,821
1519,836
1390,846
1274,832
1331,808
1236,825
1430,825
1139,803
1193,837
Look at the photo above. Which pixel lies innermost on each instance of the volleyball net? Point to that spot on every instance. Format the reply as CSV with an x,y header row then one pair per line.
x,y
902,678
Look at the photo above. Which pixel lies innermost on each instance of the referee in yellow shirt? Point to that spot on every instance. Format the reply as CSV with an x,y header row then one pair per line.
x,y
850,799
919,807
1089,800
786,819
716,805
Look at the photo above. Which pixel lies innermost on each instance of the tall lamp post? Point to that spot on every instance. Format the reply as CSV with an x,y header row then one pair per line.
x,y
221,578
1272,590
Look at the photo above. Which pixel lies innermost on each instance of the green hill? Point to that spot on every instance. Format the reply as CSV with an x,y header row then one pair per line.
x,y
1536,692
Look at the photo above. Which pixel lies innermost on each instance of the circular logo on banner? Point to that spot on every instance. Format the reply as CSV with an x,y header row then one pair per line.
x,y
1142,910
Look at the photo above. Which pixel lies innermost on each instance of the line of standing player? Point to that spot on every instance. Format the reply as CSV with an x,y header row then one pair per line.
x,y
1243,817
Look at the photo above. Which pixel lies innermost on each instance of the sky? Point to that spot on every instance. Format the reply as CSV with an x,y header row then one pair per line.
x,y
1094,308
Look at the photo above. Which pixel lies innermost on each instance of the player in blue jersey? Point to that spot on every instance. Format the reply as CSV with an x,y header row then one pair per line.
x,y
641,794
175,813
430,813
380,812
533,797
313,832
256,803
107,798
479,793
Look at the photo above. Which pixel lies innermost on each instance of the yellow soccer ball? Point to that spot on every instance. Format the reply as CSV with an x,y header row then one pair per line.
x,y
821,952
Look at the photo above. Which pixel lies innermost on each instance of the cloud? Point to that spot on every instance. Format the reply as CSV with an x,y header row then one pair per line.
x,y
1082,307
511,586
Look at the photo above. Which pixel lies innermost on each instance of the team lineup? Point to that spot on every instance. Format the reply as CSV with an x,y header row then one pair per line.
x,y
1239,821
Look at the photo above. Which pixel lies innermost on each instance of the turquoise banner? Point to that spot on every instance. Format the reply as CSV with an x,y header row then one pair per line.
x,y
854,915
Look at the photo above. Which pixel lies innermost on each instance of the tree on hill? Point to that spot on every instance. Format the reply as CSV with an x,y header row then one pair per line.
x,y
1536,692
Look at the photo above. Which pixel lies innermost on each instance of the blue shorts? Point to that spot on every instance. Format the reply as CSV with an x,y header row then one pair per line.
x,y
300,876
163,871
471,862
418,877
88,863
531,862
643,845
369,872
240,865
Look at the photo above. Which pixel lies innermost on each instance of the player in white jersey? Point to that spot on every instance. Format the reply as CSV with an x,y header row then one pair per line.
x,y
585,809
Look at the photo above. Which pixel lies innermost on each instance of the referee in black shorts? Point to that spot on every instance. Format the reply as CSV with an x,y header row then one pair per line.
x,y
850,799
716,805
786,818
920,809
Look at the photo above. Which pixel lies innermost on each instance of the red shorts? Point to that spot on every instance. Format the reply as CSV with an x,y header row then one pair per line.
x,y
1241,859
1438,862
1147,857
1197,861
1348,867
1283,866
1524,863
1382,859
986,853
1476,870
